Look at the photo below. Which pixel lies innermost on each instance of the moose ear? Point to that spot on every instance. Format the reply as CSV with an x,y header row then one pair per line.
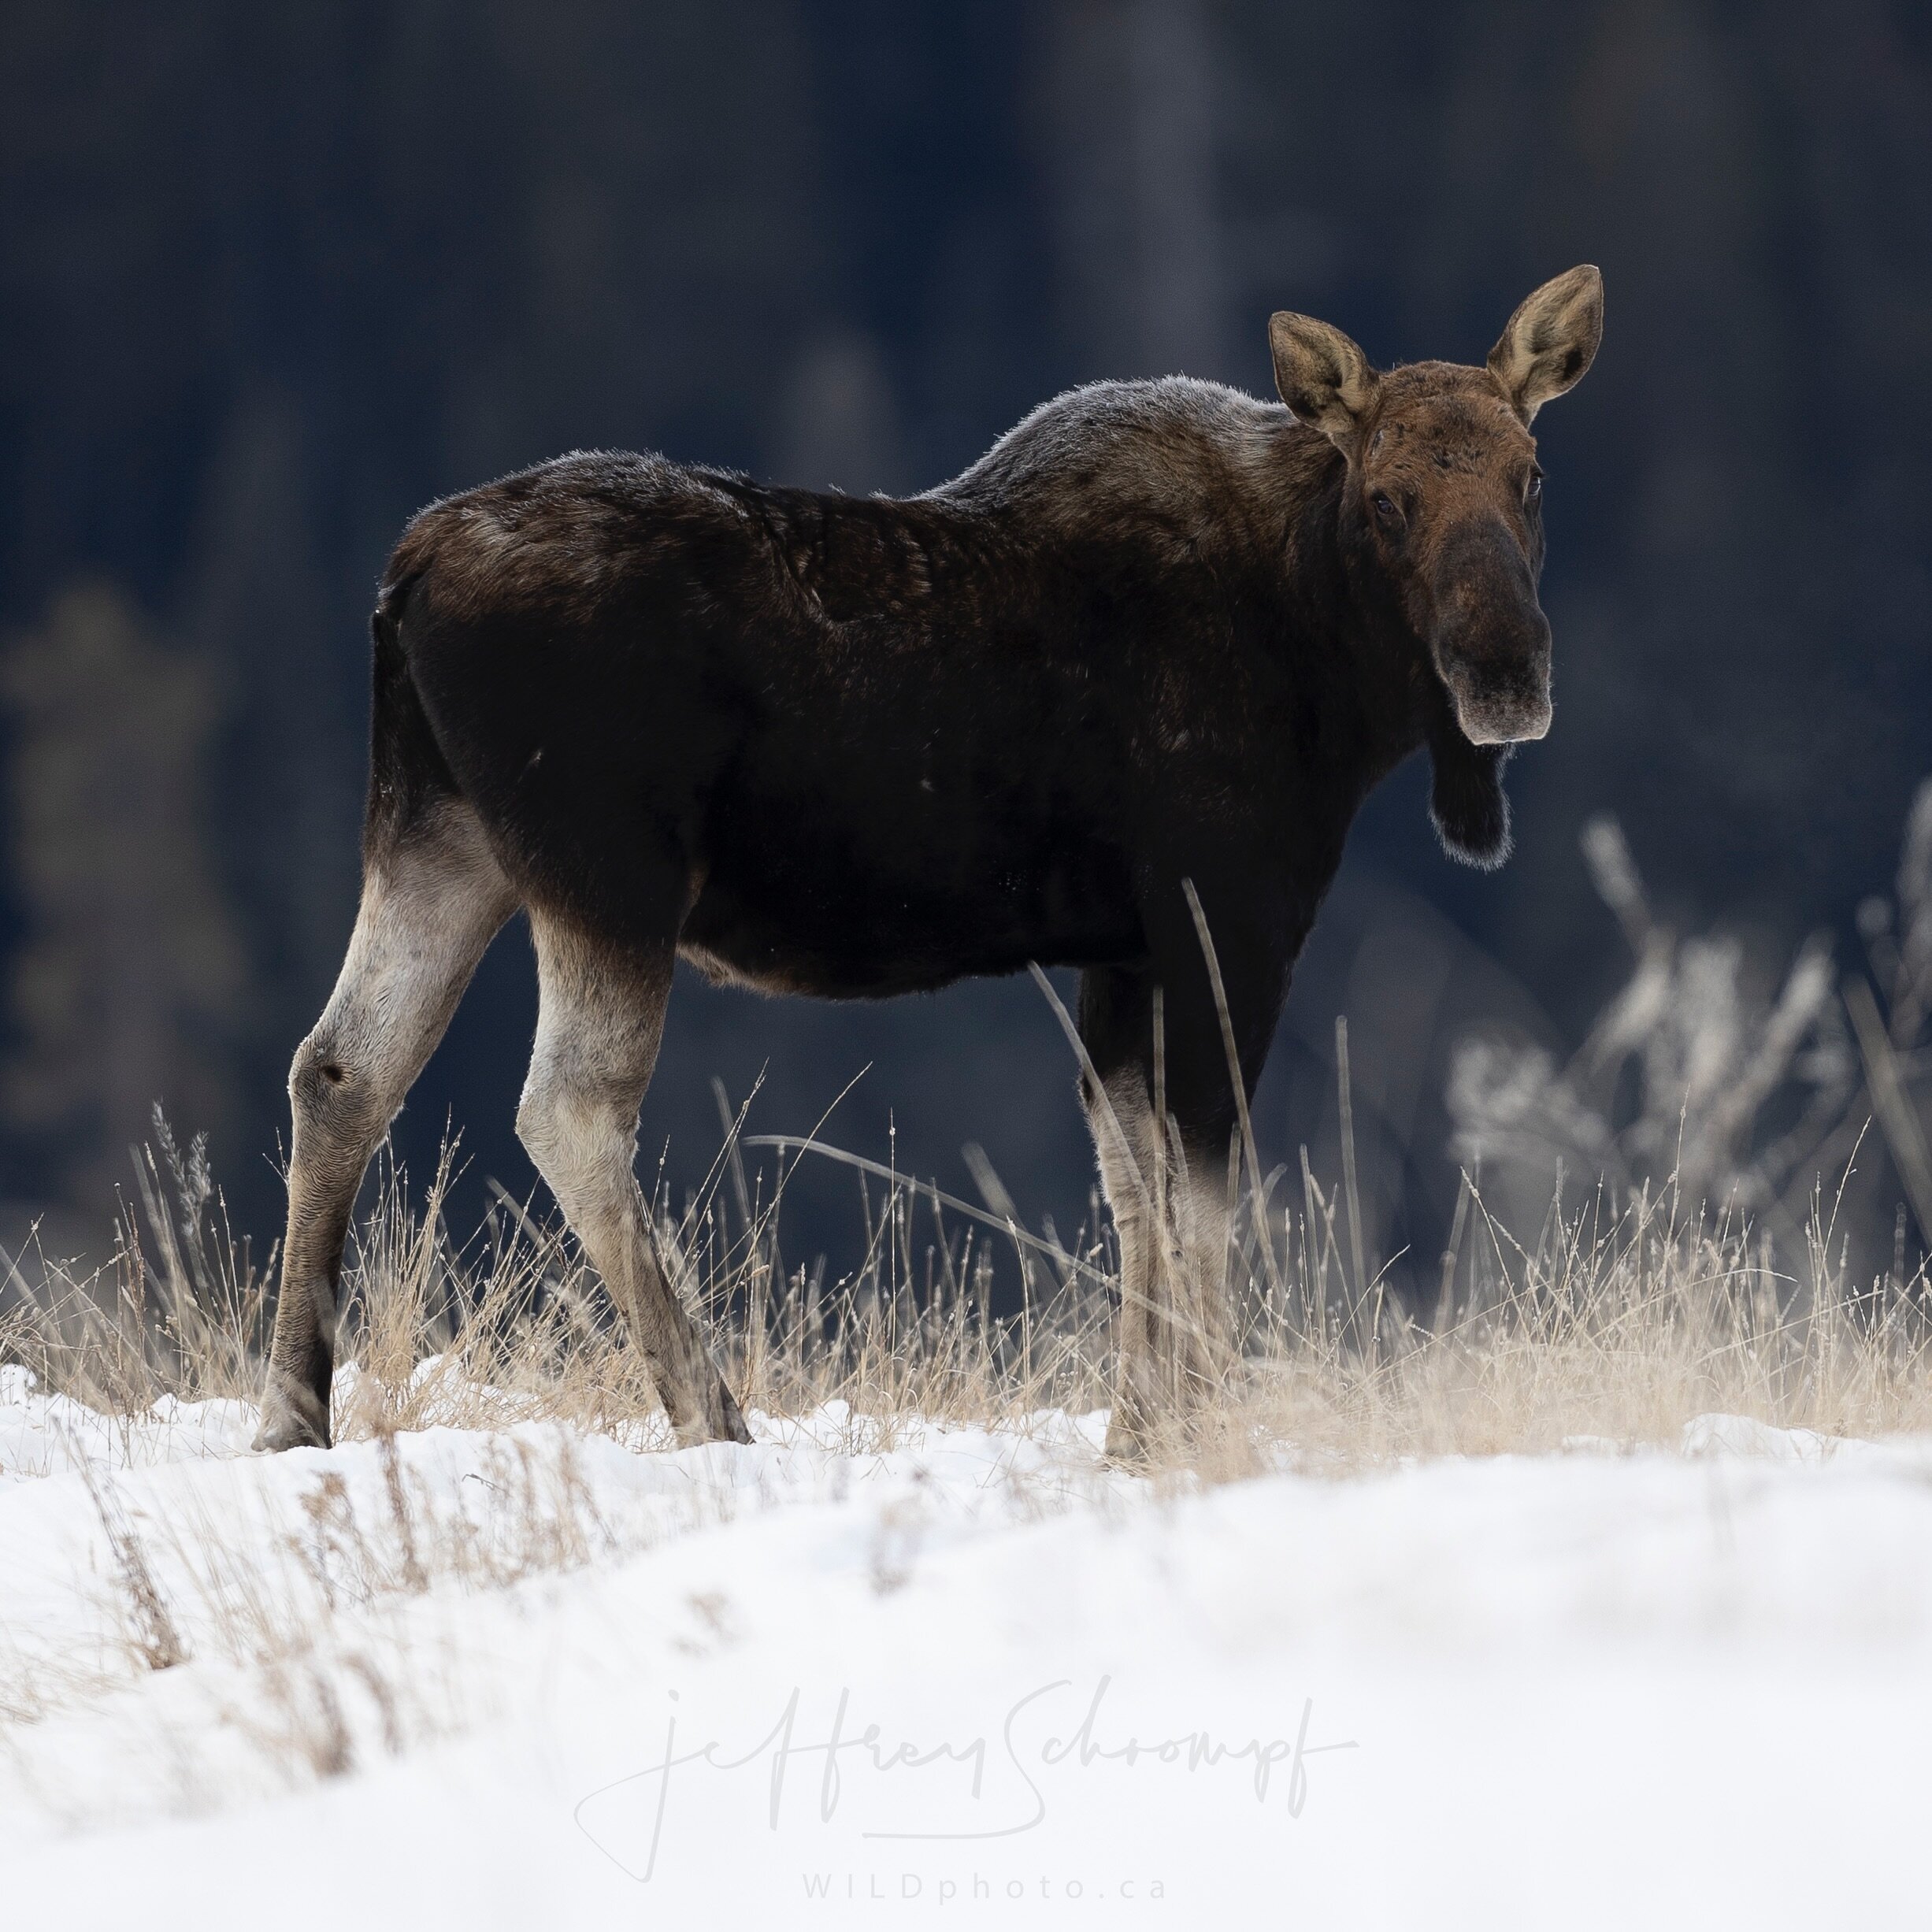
x,y
1551,340
1322,376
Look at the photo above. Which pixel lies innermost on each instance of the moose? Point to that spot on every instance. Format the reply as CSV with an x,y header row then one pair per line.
x,y
1109,699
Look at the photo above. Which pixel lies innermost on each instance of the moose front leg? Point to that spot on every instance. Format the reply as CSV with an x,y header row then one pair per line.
x,y
1147,1390
1168,1199
1171,1216
1162,1101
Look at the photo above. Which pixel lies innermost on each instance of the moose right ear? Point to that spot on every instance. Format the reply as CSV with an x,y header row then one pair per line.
x,y
1325,379
1551,340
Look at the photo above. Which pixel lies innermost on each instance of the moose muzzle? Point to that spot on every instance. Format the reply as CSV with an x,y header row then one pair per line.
x,y
1492,641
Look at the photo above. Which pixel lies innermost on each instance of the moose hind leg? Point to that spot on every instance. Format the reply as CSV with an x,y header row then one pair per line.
x,y
432,902
600,1018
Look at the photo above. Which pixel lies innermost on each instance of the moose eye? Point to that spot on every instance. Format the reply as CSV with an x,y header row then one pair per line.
x,y
1385,509
1534,488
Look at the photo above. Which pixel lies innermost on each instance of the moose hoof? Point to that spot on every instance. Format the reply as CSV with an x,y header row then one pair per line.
x,y
286,1424
722,1421
1139,1437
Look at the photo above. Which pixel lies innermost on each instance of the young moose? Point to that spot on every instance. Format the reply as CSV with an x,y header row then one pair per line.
x,y
1161,635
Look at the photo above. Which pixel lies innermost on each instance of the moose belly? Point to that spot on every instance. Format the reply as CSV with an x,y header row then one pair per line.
x,y
824,902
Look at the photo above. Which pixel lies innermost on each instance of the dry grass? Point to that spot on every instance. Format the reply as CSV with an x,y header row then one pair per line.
x,y
1622,1320
307,1631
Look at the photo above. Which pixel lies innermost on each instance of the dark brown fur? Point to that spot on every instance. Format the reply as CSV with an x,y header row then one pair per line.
x,y
1162,634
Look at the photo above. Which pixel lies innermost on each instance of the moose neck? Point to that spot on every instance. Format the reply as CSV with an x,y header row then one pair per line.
x,y
1344,607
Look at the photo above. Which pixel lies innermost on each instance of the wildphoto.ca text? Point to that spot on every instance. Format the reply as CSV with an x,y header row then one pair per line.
x,y
938,1886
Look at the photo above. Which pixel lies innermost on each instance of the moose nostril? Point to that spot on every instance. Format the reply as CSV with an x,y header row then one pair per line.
x,y
332,1074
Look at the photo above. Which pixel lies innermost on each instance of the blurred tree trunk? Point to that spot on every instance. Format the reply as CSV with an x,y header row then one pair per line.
x,y
286,781
127,988
1126,97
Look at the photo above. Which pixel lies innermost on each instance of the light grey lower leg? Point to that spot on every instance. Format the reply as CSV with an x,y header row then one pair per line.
x,y
1172,1226
600,1019
429,909
1132,1177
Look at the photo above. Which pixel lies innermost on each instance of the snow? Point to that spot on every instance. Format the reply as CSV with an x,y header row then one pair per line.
x,y
1587,1690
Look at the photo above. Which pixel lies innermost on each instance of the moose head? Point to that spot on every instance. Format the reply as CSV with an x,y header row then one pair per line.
x,y
1442,502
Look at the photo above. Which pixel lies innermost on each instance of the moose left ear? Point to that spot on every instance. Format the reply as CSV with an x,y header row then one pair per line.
x,y
1551,340
1323,378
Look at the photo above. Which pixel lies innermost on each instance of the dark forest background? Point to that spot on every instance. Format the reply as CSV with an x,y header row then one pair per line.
x,y
273,275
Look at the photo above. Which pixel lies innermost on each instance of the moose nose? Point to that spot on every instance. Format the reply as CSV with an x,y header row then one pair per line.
x,y
1515,719
1492,641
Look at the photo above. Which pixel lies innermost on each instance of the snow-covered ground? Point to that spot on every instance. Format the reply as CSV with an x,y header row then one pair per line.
x,y
532,1678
